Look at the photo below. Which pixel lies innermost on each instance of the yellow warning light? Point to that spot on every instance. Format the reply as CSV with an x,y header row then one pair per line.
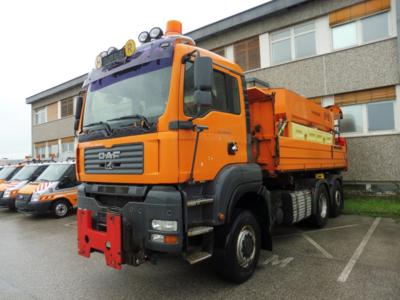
x,y
130,48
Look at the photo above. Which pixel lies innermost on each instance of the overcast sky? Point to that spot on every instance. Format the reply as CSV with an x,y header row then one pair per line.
x,y
45,43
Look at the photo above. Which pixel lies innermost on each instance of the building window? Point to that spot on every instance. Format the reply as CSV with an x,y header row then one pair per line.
x,y
352,119
247,53
40,151
68,147
380,116
361,31
67,107
368,118
293,43
40,115
52,148
219,51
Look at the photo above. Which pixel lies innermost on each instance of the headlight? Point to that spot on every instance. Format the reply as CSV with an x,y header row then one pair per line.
x,y
164,225
35,197
6,194
156,33
144,37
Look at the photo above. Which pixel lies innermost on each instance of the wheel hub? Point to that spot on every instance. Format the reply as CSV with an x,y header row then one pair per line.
x,y
61,209
338,198
246,246
323,204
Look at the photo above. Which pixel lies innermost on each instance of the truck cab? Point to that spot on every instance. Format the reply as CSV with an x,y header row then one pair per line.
x,y
54,191
10,188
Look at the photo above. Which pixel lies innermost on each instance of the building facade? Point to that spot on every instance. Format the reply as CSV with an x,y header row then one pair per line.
x,y
344,52
53,120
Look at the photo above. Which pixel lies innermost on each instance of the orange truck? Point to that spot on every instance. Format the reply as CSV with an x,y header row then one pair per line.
x,y
54,191
178,154
9,189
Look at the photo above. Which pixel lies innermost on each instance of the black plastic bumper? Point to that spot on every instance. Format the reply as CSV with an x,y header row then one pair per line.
x,y
161,203
37,207
7,202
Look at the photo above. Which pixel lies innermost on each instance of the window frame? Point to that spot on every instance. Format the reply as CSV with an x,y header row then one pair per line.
x,y
364,112
292,37
36,113
359,31
61,107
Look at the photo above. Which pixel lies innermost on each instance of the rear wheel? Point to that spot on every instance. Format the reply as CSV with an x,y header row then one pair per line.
x,y
238,260
320,218
60,208
337,199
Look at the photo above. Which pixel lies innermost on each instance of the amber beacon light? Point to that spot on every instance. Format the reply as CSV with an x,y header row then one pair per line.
x,y
174,27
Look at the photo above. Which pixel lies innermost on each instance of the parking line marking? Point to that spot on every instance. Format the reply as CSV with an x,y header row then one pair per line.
x,y
318,246
317,230
275,260
356,255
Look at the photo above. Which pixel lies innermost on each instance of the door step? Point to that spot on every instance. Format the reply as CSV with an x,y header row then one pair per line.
x,y
199,230
197,257
196,202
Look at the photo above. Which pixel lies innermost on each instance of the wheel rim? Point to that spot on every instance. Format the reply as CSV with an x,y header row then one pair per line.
x,y
323,204
338,198
61,209
246,246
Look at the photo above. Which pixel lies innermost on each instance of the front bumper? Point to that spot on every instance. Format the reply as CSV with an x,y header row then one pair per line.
x,y
37,207
7,202
129,224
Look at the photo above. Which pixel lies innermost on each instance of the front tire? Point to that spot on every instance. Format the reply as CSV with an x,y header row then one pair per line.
x,y
238,260
60,208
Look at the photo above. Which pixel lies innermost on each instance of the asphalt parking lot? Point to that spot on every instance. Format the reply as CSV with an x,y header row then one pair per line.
x,y
352,258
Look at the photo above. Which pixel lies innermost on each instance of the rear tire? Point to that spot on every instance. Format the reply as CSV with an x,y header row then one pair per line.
x,y
60,208
238,260
320,218
337,199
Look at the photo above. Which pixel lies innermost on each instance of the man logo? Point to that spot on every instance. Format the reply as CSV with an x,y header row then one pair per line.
x,y
108,157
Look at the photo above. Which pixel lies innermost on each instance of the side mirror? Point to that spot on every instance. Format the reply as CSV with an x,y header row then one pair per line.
x,y
203,81
78,110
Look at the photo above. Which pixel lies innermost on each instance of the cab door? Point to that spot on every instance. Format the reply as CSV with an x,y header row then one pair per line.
x,y
223,142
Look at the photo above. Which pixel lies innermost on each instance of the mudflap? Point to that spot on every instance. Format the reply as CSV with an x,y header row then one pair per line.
x,y
108,242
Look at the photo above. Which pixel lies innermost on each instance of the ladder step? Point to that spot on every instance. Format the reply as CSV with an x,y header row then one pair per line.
x,y
199,230
196,257
196,202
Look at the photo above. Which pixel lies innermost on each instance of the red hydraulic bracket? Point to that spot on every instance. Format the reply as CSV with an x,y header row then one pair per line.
x,y
108,242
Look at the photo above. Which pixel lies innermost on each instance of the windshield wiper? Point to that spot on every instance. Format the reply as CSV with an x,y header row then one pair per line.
x,y
145,121
101,123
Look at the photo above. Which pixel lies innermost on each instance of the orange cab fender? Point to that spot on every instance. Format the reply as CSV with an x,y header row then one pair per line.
x,y
240,186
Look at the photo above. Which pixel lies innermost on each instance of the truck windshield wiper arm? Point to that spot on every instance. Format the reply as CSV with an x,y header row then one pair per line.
x,y
101,123
146,122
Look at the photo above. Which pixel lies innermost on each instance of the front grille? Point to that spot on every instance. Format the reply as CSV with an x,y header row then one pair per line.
x,y
120,159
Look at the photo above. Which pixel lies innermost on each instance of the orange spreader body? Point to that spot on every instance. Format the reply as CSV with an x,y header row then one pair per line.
x,y
275,148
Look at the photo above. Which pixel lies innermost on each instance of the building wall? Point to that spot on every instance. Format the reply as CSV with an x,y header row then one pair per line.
x,y
306,11
374,158
57,129
363,67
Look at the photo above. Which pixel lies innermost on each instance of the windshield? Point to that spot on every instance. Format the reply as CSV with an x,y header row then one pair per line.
x,y
6,172
25,173
142,90
54,172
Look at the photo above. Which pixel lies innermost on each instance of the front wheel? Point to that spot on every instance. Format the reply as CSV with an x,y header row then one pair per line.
x,y
337,202
60,208
238,260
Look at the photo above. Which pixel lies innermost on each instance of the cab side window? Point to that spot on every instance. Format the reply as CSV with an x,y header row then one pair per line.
x,y
225,93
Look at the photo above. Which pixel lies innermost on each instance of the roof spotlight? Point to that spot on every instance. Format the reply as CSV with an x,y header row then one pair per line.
x,y
111,50
144,37
156,33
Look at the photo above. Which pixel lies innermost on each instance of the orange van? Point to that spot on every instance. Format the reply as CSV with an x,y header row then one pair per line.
x,y
54,191
8,172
